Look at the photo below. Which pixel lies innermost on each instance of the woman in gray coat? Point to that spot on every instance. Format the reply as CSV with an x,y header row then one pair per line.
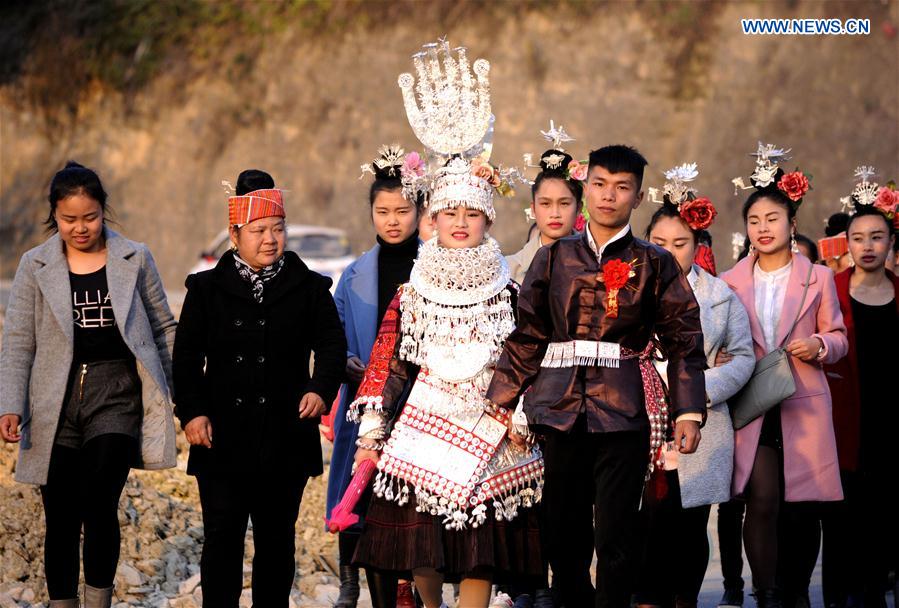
x,y
85,373
693,482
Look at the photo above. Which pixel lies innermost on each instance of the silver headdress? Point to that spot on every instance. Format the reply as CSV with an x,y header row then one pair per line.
x,y
555,161
676,189
555,136
449,111
767,160
698,213
551,159
868,194
389,162
865,191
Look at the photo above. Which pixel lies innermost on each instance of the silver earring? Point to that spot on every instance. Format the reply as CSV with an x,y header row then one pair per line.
x,y
751,249
793,246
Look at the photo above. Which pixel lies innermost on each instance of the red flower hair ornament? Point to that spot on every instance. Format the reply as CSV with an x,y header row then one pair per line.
x,y
794,185
697,212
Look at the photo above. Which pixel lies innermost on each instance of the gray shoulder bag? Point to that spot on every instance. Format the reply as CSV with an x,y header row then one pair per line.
x,y
771,381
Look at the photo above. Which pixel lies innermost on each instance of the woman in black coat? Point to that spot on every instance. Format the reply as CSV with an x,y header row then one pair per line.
x,y
245,397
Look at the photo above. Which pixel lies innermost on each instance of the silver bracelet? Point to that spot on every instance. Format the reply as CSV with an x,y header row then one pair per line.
x,y
522,431
374,446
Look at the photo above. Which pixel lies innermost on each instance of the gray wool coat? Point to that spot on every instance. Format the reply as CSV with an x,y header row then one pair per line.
x,y
38,342
705,476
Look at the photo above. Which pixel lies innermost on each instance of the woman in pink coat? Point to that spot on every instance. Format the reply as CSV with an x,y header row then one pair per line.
x,y
789,455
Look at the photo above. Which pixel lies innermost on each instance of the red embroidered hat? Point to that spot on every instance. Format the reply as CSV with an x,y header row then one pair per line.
x,y
255,205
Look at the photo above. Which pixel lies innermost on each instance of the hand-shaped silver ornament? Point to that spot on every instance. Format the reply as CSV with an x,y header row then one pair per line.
x,y
449,105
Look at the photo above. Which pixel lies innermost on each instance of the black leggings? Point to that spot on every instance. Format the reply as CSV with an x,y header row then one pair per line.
x,y
762,509
675,548
83,488
781,538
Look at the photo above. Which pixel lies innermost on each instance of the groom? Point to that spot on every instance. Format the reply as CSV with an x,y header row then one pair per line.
x,y
589,309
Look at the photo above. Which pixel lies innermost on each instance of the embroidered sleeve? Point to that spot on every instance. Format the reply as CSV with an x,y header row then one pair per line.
x,y
370,396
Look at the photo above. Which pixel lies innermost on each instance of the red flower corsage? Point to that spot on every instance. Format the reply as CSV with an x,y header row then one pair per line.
x,y
698,213
615,275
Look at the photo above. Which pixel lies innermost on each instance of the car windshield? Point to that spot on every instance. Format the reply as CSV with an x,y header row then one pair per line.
x,y
319,245
224,246
313,245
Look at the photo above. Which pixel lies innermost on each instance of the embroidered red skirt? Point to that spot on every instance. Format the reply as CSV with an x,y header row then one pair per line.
x,y
398,538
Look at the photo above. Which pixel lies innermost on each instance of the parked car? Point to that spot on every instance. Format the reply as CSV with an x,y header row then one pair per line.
x,y
325,250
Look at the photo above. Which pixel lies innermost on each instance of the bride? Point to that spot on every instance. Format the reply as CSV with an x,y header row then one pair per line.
x,y
455,477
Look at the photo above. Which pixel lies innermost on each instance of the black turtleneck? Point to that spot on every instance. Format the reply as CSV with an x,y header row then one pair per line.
x,y
394,266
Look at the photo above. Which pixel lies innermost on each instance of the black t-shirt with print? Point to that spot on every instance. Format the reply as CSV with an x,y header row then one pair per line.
x,y
97,336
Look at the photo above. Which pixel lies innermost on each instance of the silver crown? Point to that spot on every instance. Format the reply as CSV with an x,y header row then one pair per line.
x,y
449,107
456,186
449,111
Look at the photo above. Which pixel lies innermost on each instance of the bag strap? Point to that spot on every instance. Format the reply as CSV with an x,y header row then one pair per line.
x,y
808,280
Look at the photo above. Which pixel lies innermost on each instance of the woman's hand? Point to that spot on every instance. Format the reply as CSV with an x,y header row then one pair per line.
x,y
9,428
516,438
362,455
311,405
805,349
723,357
355,369
199,431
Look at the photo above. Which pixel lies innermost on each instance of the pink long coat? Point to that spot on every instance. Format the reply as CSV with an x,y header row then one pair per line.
x,y
811,466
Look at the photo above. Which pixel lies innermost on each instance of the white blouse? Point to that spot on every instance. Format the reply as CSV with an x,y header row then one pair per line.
x,y
770,290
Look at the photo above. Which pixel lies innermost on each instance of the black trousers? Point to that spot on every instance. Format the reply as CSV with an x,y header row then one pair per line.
x,y
83,489
272,503
730,542
675,548
861,538
592,494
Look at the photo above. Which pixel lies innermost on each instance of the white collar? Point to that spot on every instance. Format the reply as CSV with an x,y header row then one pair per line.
x,y
774,275
621,233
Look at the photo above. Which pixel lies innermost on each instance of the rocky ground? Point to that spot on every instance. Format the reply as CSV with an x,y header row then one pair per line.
x,y
162,536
